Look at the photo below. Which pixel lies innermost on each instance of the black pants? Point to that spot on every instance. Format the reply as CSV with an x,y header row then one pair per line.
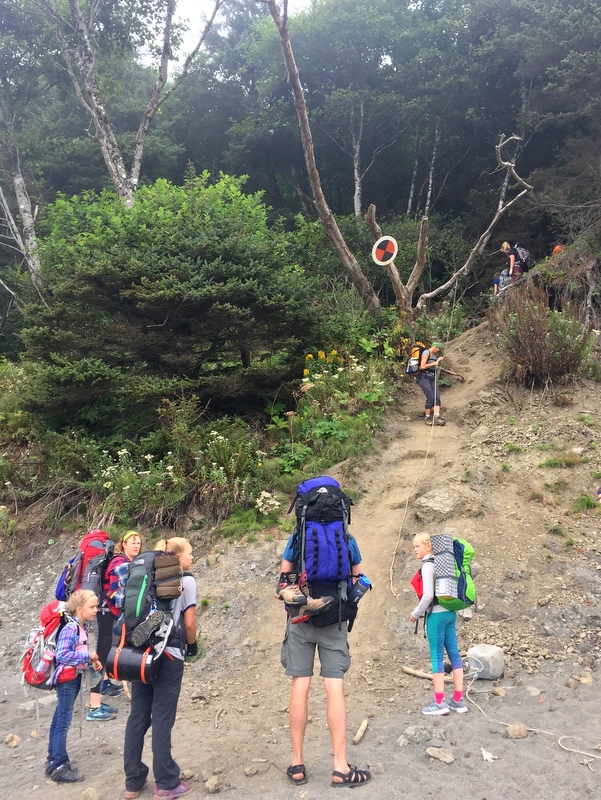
x,y
153,704
105,622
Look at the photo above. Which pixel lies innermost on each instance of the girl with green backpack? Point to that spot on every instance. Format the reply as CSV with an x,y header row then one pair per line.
x,y
441,632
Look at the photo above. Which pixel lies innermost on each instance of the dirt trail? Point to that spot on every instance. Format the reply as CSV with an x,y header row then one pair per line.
x,y
539,598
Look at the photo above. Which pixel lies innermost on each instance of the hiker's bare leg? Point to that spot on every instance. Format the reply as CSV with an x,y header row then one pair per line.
x,y
336,716
438,681
436,411
297,714
95,699
458,680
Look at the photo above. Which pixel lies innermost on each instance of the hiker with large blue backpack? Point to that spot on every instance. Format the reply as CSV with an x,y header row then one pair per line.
x,y
320,583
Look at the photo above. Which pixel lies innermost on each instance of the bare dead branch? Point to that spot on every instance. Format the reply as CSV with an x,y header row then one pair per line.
x,y
501,211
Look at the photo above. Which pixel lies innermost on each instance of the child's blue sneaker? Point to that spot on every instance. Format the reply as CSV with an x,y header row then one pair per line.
x,y
436,709
109,709
99,714
460,706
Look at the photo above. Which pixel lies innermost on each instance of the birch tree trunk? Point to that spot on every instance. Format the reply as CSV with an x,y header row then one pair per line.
x,y
326,217
357,138
75,36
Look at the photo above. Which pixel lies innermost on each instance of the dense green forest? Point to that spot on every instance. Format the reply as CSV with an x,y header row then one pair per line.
x,y
189,311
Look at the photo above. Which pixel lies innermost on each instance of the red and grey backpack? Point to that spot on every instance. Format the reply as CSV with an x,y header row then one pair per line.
x,y
86,569
38,664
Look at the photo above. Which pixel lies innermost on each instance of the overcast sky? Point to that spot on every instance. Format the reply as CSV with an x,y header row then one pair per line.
x,y
197,10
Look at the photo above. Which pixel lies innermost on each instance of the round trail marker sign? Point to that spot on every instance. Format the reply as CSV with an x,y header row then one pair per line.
x,y
384,250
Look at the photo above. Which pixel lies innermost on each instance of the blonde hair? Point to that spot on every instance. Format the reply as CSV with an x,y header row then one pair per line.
x,y
173,546
127,535
505,247
423,538
79,599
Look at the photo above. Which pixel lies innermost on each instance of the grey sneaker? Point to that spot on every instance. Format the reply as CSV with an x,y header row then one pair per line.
x,y
439,421
436,709
428,420
142,632
460,706
65,774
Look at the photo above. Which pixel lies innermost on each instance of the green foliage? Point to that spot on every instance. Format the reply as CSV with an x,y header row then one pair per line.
x,y
188,292
584,503
566,460
556,530
511,447
241,523
542,344
588,419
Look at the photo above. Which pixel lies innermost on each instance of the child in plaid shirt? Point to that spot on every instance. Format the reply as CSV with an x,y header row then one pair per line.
x,y
72,656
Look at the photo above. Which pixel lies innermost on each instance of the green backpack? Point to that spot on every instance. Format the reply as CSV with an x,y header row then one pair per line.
x,y
455,587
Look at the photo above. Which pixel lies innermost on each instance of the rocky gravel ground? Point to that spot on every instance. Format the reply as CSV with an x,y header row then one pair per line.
x,y
534,733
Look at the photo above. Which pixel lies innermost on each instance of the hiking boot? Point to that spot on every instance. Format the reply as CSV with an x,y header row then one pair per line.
x,y
460,706
65,774
428,420
110,689
142,632
439,421
99,714
436,709
315,605
173,794
289,591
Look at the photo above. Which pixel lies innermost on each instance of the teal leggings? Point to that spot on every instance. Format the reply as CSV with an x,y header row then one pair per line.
x,y
442,636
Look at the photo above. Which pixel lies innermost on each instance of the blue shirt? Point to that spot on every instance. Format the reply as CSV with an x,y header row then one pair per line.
x,y
355,555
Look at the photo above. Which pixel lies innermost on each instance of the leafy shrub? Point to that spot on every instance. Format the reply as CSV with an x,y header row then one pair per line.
x,y
556,530
564,460
584,503
542,344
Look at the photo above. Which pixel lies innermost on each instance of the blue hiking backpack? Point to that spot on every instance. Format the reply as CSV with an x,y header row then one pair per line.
x,y
321,543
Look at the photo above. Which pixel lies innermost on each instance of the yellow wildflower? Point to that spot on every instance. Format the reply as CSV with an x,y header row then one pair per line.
x,y
308,357
321,354
334,353
305,372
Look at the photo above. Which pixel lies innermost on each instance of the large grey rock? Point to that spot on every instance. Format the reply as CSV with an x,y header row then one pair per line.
x,y
488,659
437,505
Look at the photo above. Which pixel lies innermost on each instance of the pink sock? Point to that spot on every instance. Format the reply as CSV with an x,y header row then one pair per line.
x,y
457,696
439,697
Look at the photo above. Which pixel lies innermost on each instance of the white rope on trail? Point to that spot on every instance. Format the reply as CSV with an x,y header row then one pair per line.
x,y
417,477
395,551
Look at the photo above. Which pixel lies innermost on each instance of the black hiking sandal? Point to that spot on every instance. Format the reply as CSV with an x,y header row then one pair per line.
x,y
65,774
351,779
299,769
142,632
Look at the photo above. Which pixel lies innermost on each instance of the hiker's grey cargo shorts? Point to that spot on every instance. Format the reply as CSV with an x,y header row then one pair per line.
x,y
298,650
